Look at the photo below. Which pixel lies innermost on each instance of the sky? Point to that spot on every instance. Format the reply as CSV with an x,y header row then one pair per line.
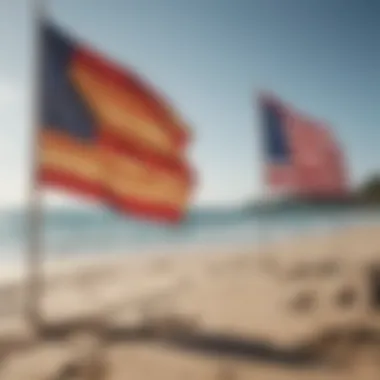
x,y
211,58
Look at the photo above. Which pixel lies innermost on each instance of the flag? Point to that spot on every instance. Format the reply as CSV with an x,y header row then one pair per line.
x,y
106,134
302,156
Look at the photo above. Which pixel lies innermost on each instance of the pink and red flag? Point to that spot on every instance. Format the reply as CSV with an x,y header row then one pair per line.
x,y
302,156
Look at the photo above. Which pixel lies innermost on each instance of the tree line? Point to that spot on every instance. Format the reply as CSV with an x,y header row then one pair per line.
x,y
370,190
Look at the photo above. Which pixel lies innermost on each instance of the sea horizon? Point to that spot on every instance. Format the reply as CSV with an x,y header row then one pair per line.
x,y
97,231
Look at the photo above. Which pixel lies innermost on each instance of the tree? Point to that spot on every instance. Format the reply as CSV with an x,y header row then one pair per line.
x,y
370,191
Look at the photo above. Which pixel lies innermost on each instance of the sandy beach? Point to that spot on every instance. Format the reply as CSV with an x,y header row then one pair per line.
x,y
239,314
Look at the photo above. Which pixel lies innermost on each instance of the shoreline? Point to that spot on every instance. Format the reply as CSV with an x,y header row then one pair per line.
x,y
9,266
282,250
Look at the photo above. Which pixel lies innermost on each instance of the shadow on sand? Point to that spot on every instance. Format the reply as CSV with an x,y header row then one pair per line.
x,y
228,346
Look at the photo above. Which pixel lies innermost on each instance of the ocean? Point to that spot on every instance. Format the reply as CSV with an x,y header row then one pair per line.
x,y
81,232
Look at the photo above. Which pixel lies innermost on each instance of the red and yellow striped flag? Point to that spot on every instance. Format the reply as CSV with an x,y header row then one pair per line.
x,y
106,134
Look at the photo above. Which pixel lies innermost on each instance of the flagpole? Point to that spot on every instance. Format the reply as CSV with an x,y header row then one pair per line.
x,y
261,235
264,236
34,255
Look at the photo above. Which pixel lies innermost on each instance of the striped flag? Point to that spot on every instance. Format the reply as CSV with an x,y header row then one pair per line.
x,y
302,157
106,134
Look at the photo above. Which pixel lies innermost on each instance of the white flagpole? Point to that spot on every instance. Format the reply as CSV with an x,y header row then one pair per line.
x,y
34,255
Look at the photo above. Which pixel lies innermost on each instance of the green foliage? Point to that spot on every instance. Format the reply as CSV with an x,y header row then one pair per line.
x,y
370,191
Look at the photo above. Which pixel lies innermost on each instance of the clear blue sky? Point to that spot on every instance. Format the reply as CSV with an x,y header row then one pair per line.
x,y
211,57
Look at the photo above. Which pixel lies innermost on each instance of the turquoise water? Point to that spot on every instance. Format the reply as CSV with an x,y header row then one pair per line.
x,y
95,231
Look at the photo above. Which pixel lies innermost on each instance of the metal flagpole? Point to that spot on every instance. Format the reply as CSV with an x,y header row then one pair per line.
x,y
263,192
265,235
34,256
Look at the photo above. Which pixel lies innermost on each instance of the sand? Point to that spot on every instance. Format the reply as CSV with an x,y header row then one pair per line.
x,y
235,314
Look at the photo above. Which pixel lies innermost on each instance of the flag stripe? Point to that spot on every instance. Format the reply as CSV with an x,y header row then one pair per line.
x,y
52,140
132,183
116,76
124,115
124,175
83,187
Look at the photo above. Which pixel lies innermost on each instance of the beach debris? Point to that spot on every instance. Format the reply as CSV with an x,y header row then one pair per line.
x,y
307,270
304,301
336,348
94,370
301,271
170,324
346,297
329,268
87,357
